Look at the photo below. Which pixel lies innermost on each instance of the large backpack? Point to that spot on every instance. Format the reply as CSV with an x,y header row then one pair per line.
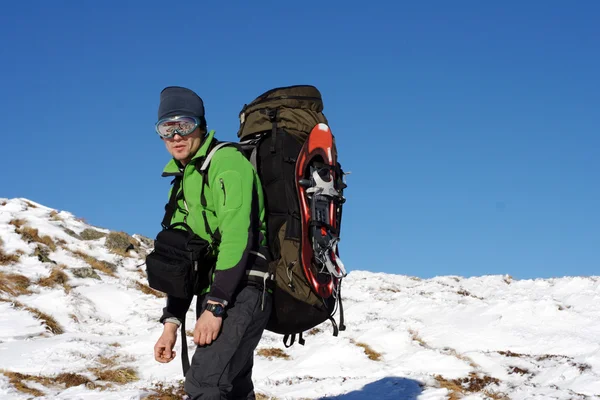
x,y
274,129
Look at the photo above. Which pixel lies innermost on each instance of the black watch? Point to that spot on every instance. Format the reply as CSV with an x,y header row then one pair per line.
x,y
216,309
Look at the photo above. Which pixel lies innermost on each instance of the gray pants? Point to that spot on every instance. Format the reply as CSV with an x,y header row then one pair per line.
x,y
223,369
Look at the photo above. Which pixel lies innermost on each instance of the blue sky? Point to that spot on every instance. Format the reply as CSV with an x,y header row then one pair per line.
x,y
471,129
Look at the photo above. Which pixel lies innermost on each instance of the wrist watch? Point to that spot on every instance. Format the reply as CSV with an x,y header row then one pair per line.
x,y
216,309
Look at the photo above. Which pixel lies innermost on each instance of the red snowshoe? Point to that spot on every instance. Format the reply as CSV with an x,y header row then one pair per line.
x,y
320,191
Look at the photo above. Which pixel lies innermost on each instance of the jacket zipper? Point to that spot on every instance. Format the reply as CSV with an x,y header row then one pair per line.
x,y
223,188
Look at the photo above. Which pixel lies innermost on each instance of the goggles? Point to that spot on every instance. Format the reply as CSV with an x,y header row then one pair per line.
x,y
181,125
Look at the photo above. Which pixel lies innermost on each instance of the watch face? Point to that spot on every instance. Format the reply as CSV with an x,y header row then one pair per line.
x,y
216,309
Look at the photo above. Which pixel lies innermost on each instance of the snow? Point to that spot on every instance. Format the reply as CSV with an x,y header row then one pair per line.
x,y
528,339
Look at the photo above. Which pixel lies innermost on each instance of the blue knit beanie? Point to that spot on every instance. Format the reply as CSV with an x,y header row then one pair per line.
x,y
177,100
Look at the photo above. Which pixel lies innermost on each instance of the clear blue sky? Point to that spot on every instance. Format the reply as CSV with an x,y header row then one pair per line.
x,y
472,129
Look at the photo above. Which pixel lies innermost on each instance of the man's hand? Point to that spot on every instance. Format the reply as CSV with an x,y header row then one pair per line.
x,y
163,349
207,328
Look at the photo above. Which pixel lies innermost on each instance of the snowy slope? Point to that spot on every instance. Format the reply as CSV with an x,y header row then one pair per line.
x,y
71,328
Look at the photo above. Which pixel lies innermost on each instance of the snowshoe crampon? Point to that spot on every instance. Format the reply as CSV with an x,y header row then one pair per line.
x,y
320,191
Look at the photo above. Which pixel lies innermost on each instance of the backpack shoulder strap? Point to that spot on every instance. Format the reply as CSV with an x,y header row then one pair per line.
x,y
211,154
203,169
171,206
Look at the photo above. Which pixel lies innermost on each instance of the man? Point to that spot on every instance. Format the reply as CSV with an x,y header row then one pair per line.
x,y
226,209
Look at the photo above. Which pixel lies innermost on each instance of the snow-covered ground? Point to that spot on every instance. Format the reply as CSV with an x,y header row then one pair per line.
x,y
488,337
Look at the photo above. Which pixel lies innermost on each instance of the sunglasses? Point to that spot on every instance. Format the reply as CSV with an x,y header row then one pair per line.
x,y
182,126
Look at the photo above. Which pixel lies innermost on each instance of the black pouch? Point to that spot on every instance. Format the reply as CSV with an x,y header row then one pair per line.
x,y
180,262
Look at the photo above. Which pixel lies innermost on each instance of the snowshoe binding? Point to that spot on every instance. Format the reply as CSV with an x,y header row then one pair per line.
x,y
320,189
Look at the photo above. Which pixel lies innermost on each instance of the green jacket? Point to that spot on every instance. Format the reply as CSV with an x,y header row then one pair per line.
x,y
234,207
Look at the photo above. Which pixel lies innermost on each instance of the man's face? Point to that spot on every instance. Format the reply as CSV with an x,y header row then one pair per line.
x,y
183,148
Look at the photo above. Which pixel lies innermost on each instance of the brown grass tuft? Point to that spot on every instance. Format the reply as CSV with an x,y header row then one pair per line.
x,y
517,370
51,324
3,203
17,222
54,215
148,290
466,293
314,331
91,234
6,259
103,266
14,284
31,235
121,243
471,384
372,354
118,375
65,379
56,278
30,204
509,353
71,379
18,381
164,392
273,352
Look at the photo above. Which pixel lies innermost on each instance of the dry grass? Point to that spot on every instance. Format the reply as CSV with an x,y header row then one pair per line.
x,y
148,290
66,380
273,352
314,331
121,243
17,222
102,266
51,324
118,375
30,235
415,336
91,234
372,354
6,259
163,392
30,204
54,215
57,277
466,293
14,284
460,387
3,203
71,232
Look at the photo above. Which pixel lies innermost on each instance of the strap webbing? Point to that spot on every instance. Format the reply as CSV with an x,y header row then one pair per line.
x,y
272,114
185,361
210,155
172,204
342,326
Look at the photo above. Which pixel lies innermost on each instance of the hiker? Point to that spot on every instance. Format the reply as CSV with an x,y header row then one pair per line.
x,y
224,208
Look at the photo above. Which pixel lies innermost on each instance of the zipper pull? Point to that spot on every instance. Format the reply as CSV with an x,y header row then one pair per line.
x,y
223,189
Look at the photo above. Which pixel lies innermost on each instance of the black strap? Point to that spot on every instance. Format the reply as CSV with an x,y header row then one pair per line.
x,y
272,114
171,206
342,326
185,361
291,337
215,236
336,331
